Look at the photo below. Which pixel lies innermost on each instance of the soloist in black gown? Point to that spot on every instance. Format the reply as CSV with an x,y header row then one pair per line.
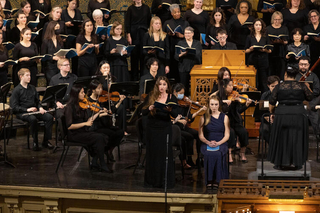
x,y
158,126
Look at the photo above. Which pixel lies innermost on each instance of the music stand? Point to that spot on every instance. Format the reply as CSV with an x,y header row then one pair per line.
x,y
3,93
85,81
129,88
53,94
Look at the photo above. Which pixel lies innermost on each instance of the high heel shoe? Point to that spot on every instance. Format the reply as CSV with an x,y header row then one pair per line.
x,y
106,169
241,155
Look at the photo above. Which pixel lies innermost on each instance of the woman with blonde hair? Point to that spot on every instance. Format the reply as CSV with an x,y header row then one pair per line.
x,y
156,37
214,132
55,15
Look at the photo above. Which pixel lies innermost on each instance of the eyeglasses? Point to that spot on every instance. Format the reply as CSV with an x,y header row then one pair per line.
x,y
66,65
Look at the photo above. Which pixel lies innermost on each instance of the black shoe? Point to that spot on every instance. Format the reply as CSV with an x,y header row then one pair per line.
x,y
110,157
106,169
36,147
95,166
47,145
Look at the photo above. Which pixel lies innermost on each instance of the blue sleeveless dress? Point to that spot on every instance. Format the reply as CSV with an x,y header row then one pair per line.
x,y
215,162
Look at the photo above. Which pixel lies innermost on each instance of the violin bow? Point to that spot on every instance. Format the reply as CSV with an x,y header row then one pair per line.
x,y
194,93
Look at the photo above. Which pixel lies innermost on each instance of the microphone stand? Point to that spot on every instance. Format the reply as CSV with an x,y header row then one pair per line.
x,y
166,175
3,127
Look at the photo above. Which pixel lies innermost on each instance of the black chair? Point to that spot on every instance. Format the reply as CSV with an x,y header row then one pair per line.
x,y
66,143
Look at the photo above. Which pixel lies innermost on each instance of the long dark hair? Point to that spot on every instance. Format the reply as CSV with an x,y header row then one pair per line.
x,y
221,73
223,17
74,98
78,4
263,28
82,33
92,86
222,88
50,32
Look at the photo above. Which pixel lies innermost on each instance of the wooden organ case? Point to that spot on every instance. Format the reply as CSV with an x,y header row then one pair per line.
x,y
203,76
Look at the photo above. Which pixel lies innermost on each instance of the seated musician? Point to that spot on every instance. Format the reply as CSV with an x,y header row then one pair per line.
x,y
188,135
103,125
78,123
25,99
272,81
233,108
223,43
152,65
304,65
63,77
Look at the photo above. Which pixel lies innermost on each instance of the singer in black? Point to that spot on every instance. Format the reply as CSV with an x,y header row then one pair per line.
x,y
158,127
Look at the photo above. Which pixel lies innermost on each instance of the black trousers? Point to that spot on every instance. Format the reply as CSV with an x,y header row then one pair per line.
x,y
242,133
33,122
114,134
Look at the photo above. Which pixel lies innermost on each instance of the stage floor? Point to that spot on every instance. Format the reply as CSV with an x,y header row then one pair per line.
x,y
37,169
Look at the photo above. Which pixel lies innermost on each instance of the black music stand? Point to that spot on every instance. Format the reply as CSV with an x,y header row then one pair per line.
x,y
53,94
3,93
85,81
129,88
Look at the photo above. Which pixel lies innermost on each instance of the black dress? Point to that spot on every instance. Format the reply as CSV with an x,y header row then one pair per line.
x,y
73,30
289,133
266,15
50,66
20,51
198,22
226,5
164,58
314,46
158,126
163,13
87,63
294,20
44,7
277,60
187,61
259,60
94,4
118,63
137,22
14,35
173,41
3,70
237,32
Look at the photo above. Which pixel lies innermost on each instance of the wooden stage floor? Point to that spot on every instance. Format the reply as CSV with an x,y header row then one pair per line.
x,y
37,169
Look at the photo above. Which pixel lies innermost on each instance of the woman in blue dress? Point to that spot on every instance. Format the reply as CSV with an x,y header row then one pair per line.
x,y
214,132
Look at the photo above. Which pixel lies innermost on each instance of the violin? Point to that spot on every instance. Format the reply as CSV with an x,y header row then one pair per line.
x,y
186,102
239,84
85,104
113,96
242,98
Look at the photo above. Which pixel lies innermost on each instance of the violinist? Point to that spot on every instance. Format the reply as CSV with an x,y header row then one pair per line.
x,y
233,108
152,65
78,123
101,124
64,76
188,135
304,65
117,106
25,99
